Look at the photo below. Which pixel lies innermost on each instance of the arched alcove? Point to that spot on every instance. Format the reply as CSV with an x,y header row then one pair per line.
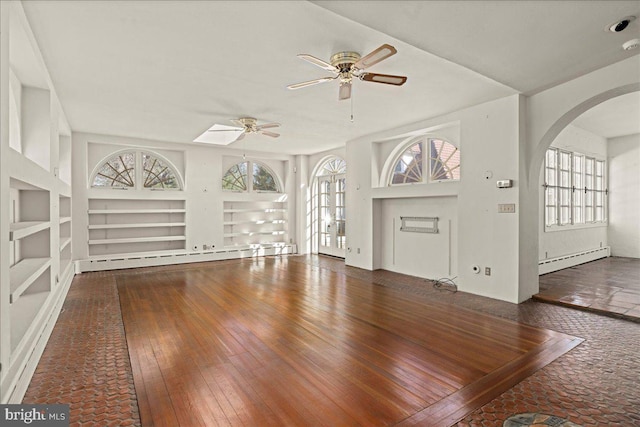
x,y
543,129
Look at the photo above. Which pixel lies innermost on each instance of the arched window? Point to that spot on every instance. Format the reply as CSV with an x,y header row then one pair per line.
x,y
135,169
441,157
117,172
408,168
333,167
236,178
157,174
444,160
261,178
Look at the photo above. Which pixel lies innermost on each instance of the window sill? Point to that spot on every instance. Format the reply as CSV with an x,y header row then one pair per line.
x,y
570,227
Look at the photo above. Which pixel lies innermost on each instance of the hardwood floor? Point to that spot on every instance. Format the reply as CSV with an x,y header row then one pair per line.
x,y
606,286
269,341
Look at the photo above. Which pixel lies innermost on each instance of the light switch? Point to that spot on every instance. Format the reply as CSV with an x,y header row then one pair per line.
x,y
507,208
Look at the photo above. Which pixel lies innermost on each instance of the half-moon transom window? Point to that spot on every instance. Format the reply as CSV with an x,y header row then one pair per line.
x,y
117,172
136,169
334,166
157,174
239,176
441,157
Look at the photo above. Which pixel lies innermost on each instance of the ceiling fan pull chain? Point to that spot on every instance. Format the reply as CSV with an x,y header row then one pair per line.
x,y
351,108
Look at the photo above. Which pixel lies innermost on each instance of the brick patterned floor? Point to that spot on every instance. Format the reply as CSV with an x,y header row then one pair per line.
x,y
86,362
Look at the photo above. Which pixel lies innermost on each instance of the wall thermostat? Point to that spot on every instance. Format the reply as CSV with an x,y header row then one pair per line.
x,y
504,183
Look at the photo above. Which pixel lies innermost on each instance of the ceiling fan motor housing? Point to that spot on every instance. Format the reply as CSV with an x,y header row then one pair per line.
x,y
344,61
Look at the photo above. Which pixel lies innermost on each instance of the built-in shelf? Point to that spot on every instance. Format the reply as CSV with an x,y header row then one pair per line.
x,y
23,314
135,225
24,273
20,230
65,219
257,222
255,233
137,240
267,210
138,225
134,211
64,242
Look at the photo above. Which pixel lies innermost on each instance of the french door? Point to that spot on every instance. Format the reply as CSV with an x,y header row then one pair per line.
x,y
332,239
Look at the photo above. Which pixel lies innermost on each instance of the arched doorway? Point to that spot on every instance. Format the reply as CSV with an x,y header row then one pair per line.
x,y
545,133
330,220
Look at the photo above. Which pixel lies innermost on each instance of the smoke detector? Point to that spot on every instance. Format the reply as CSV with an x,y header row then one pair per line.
x,y
631,44
621,24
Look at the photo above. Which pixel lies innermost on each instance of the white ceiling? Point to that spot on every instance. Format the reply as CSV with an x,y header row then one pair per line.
x,y
616,117
168,70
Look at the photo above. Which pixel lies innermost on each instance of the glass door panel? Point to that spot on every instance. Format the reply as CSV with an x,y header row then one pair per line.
x,y
332,215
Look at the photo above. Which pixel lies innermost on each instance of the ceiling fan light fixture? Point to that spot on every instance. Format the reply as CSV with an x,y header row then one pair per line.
x,y
345,91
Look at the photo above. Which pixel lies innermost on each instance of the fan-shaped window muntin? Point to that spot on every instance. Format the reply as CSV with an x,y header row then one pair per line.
x,y
117,172
444,160
156,173
239,176
408,168
131,169
236,178
441,157
333,166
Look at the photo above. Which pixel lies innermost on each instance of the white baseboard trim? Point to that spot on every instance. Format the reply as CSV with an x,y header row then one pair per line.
x,y
150,259
558,263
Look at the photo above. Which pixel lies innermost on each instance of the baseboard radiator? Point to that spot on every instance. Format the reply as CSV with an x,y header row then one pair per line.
x,y
116,262
558,263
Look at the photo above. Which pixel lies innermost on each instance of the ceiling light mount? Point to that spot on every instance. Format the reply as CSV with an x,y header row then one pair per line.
x,y
621,24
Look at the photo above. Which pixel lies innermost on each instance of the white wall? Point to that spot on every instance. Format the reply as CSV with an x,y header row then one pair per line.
x,y
624,196
426,255
570,239
202,168
490,140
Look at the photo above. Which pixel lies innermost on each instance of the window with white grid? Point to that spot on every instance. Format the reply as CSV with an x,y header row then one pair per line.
x,y
575,189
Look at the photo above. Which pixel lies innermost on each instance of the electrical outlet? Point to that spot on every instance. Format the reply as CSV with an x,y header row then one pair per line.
x,y
487,271
358,250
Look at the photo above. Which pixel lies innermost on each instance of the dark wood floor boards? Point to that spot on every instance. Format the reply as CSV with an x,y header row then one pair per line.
x,y
267,342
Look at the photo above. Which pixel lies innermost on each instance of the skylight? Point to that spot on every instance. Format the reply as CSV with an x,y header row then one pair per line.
x,y
220,135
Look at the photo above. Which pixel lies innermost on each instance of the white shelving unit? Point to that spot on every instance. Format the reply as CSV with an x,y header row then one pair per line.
x,y
65,233
35,219
30,254
121,226
248,223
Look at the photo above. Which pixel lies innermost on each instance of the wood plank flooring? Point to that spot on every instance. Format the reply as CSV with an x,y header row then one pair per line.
x,y
268,341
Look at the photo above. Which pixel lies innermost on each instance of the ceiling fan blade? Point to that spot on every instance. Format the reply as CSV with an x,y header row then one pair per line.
x,y
311,82
271,134
318,62
267,126
345,91
237,122
242,135
384,78
380,54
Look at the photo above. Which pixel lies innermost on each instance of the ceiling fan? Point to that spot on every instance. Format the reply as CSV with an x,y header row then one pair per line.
x,y
349,65
249,125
